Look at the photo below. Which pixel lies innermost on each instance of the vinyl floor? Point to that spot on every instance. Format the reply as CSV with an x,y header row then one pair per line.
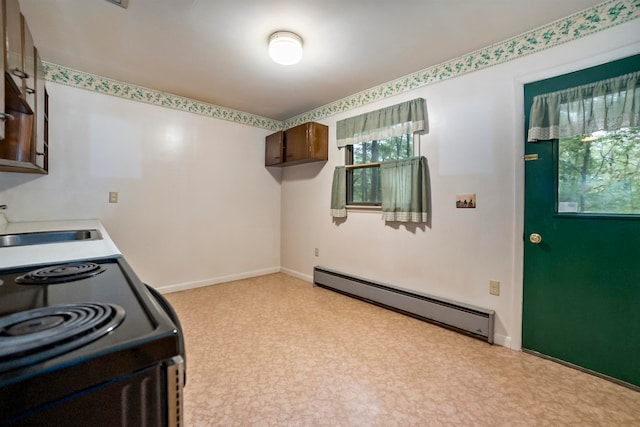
x,y
276,351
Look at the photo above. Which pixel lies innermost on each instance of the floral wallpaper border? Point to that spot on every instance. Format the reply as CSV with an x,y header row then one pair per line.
x,y
600,17
589,21
79,79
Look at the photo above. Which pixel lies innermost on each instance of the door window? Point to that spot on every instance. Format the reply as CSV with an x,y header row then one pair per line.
x,y
600,173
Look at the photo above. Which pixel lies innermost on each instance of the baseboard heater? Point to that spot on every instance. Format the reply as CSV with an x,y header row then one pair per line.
x,y
470,320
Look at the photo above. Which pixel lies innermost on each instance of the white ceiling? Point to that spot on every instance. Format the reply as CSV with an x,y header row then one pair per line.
x,y
215,51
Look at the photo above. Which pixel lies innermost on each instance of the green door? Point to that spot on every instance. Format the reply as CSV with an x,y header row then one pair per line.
x,y
581,297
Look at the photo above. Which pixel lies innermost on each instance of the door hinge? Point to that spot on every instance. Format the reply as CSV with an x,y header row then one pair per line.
x,y
529,157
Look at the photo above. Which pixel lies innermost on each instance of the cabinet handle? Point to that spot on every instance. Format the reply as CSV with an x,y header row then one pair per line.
x,y
39,153
30,91
5,116
19,73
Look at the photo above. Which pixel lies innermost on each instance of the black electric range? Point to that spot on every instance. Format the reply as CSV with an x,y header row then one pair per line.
x,y
87,343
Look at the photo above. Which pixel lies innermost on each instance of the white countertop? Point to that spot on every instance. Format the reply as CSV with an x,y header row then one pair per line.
x,y
17,256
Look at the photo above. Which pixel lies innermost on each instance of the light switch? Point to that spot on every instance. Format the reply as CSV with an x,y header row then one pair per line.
x,y
113,197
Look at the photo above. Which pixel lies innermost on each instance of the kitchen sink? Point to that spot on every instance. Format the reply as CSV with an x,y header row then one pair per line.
x,y
44,237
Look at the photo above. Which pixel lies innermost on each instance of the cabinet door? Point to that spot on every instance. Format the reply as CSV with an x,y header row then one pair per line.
x,y
13,41
274,149
318,136
3,117
296,143
39,133
16,149
28,65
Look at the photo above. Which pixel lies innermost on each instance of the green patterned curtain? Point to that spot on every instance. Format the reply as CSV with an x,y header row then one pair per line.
x,y
339,193
396,120
405,192
606,105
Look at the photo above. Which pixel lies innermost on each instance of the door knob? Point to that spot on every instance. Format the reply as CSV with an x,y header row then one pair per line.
x,y
535,238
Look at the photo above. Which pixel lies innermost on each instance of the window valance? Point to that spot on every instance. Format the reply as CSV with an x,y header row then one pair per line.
x,y
601,106
396,120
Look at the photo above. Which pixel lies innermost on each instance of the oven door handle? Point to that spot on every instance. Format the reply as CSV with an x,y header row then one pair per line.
x,y
175,385
164,303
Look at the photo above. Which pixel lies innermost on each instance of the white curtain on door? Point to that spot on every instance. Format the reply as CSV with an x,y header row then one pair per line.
x,y
601,106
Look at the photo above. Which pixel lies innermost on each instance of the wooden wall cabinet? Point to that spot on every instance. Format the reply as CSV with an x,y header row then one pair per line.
x,y
305,143
24,143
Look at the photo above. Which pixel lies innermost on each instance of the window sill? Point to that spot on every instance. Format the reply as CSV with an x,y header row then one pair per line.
x,y
361,208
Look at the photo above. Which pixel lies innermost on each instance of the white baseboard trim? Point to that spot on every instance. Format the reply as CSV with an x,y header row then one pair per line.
x,y
502,340
305,277
216,280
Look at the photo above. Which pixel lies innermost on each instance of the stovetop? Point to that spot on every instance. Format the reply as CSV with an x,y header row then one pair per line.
x,y
134,332
39,334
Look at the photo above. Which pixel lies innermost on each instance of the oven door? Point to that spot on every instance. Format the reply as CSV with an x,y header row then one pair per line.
x,y
148,397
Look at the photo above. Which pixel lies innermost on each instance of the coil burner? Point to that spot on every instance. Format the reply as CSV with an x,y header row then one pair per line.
x,y
60,273
30,336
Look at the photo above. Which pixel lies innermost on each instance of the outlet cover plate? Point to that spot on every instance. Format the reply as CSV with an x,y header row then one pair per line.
x,y
494,287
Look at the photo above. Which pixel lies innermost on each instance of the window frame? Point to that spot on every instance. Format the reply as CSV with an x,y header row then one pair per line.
x,y
349,165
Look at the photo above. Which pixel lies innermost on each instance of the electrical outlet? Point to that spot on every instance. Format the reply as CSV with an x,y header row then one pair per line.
x,y
113,197
317,251
494,287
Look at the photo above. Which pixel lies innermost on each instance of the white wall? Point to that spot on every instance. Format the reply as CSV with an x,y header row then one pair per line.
x,y
196,204
474,146
198,207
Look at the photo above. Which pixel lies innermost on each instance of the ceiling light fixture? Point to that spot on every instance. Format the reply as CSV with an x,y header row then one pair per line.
x,y
285,47
121,3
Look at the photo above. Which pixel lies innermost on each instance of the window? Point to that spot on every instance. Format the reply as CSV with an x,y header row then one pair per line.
x,y
363,167
380,166
600,173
